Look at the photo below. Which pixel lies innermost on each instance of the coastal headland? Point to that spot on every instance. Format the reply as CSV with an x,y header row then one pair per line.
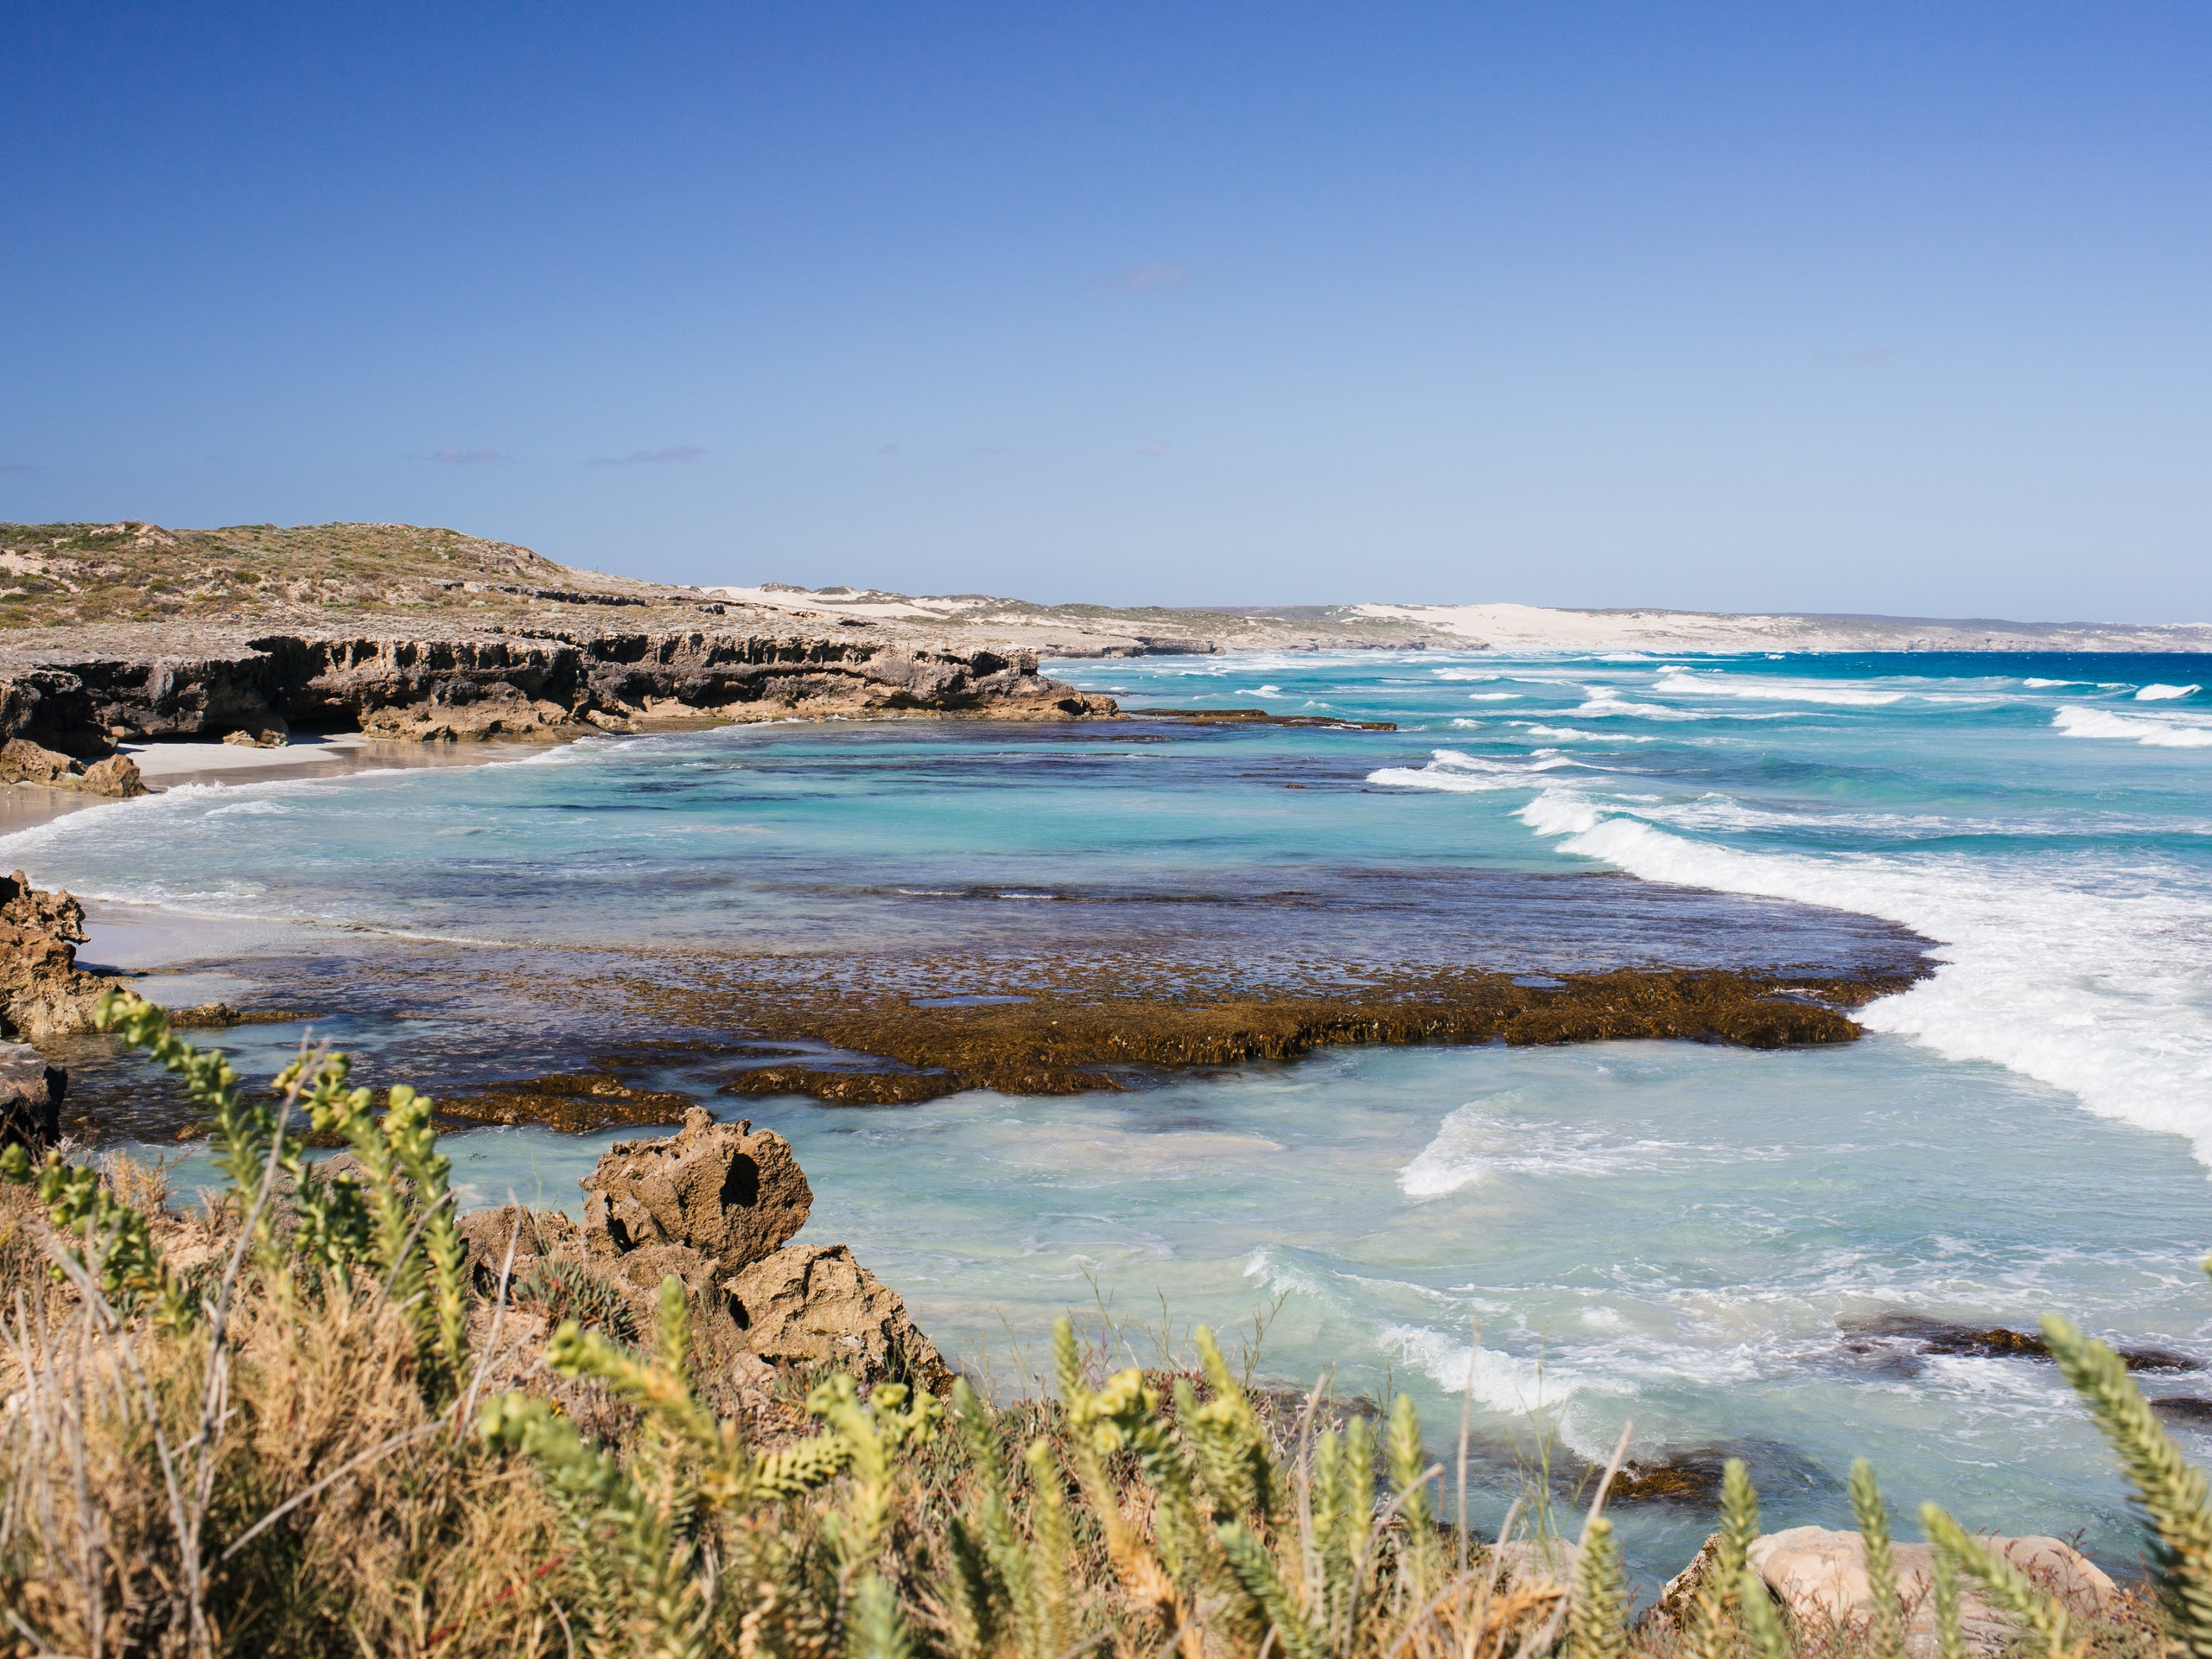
x,y
129,632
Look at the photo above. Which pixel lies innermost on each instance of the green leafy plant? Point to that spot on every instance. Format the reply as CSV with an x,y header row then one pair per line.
x,y
560,1291
2170,1490
638,1530
113,1241
1873,1515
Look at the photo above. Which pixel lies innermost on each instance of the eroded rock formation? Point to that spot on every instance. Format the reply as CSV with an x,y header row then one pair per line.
x,y
43,994
809,1304
716,1204
136,683
726,1190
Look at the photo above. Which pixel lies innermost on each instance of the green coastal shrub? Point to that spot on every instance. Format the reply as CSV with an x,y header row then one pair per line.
x,y
284,1427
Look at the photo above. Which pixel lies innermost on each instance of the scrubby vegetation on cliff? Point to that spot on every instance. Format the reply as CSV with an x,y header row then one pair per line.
x,y
294,1423
60,575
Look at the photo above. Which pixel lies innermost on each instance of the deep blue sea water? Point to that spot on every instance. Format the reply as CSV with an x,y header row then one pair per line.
x,y
1673,1234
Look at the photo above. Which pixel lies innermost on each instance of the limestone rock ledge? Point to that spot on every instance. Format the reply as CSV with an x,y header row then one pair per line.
x,y
716,1204
147,682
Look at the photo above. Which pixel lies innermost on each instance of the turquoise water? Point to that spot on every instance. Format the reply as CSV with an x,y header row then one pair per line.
x,y
1673,1234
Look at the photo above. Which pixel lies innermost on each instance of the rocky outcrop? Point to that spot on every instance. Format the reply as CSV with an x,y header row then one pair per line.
x,y
1819,1578
182,683
726,1190
815,1304
30,1098
43,994
714,1204
22,761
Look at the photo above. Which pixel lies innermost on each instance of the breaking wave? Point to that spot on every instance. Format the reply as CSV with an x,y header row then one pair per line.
x,y
2092,978
2151,731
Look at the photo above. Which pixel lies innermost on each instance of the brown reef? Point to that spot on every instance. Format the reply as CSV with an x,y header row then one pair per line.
x,y
1260,717
575,1102
1059,1043
793,1033
1900,1342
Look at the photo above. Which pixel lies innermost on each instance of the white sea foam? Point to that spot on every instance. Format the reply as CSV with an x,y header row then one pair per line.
x,y
1602,700
1460,773
1495,696
1492,1136
1571,734
1717,683
2092,978
1499,1381
2165,693
2152,731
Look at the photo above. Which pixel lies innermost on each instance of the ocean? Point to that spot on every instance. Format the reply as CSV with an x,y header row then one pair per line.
x,y
1725,1248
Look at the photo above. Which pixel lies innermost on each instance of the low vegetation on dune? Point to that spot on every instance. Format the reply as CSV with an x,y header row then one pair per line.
x,y
299,1421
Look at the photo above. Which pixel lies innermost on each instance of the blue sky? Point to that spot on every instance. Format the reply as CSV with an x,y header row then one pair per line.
x,y
1873,308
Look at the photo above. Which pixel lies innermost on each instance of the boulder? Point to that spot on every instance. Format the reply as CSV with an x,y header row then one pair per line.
x,y
726,1190
22,761
815,1304
118,775
30,1098
1820,1576
715,1205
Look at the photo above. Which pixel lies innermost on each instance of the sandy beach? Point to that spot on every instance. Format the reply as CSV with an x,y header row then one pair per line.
x,y
176,765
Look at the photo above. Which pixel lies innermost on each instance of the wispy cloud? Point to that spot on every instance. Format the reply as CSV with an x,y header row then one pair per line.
x,y
16,467
452,456
1153,448
649,457
1143,279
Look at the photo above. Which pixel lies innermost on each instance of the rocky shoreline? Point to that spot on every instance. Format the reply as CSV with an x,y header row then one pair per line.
x,y
81,699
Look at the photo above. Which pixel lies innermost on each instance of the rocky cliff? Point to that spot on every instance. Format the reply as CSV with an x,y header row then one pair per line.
x,y
126,682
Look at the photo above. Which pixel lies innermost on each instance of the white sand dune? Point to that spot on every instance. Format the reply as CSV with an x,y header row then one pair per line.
x,y
1528,627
